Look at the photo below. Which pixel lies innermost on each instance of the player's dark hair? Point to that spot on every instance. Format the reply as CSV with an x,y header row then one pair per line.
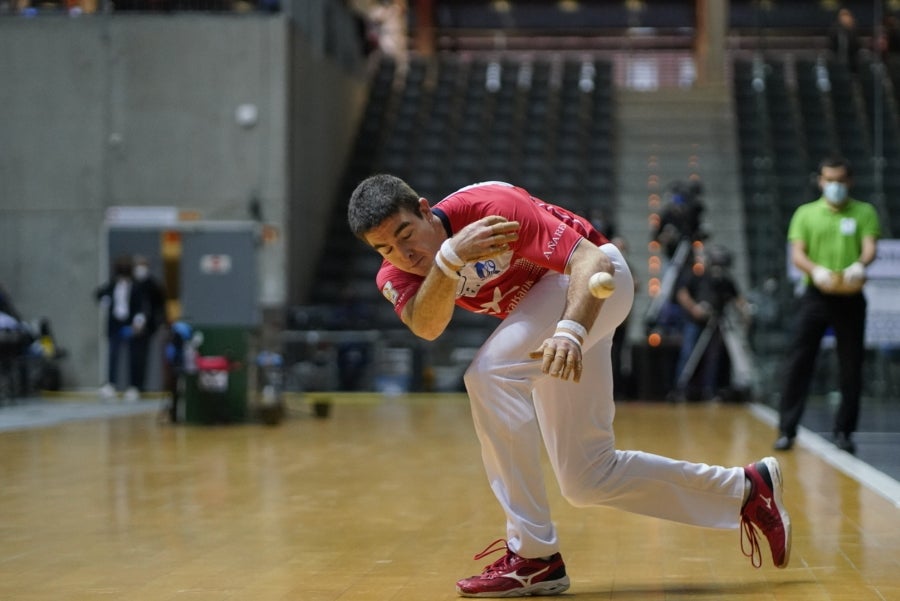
x,y
836,162
375,199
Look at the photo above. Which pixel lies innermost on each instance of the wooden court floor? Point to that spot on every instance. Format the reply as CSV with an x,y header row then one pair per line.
x,y
386,500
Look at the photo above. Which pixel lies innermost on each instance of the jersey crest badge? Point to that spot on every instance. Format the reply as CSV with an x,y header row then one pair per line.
x,y
487,268
390,293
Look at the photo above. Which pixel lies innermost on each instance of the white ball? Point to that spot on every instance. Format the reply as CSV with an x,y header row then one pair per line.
x,y
602,284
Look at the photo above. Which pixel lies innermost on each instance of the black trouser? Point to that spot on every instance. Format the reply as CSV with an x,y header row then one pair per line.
x,y
138,351
117,345
846,314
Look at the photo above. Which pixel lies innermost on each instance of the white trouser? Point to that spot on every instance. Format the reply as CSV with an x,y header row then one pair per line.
x,y
514,405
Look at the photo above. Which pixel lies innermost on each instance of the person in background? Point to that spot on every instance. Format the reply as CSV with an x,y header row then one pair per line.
x,y
115,298
888,42
833,239
543,378
14,340
843,39
180,355
681,217
601,222
704,294
149,304
389,19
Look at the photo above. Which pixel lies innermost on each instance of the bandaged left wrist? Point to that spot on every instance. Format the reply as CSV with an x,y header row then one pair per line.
x,y
569,336
572,327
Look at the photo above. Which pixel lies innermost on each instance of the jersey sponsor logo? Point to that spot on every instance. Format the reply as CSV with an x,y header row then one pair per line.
x,y
390,292
517,298
493,306
554,240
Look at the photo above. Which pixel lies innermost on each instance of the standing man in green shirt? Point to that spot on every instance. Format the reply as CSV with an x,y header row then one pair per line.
x,y
833,240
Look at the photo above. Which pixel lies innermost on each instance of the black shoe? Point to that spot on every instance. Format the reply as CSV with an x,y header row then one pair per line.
x,y
843,442
675,396
784,443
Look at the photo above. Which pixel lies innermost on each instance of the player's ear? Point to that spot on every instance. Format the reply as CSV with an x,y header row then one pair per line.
x,y
424,208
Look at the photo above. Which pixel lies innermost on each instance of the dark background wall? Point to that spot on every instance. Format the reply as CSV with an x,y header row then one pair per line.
x,y
140,110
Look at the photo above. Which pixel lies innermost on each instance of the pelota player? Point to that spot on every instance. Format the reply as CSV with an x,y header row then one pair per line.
x,y
545,372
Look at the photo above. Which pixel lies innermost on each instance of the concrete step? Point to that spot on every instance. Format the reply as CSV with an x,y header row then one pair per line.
x,y
668,135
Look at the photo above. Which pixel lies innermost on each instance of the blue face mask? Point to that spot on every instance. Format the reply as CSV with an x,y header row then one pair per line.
x,y
835,192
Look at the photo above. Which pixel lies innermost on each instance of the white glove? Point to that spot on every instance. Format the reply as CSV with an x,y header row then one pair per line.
x,y
823,278
854,275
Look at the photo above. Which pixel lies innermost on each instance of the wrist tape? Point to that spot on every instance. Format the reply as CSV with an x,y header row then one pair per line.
x,y
442,264
450,254
573,327
569,335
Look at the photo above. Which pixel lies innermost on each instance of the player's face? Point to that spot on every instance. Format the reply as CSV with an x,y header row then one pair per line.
x,y
408,241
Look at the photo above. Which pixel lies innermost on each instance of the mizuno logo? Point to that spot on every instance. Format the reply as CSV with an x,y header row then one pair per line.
x,y
525,580
767,501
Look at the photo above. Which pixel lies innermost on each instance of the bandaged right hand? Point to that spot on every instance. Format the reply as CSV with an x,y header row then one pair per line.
x,y
823,278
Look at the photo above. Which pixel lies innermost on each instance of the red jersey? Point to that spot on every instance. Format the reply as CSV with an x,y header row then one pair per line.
x,y
547,236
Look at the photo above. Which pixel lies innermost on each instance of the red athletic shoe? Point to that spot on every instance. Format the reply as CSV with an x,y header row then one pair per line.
x,y
765,511
514,576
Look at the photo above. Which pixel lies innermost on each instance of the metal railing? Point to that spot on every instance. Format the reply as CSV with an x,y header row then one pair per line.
x,y
36,8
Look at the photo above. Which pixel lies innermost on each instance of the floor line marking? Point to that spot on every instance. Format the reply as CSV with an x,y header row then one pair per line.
x,y
853,467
